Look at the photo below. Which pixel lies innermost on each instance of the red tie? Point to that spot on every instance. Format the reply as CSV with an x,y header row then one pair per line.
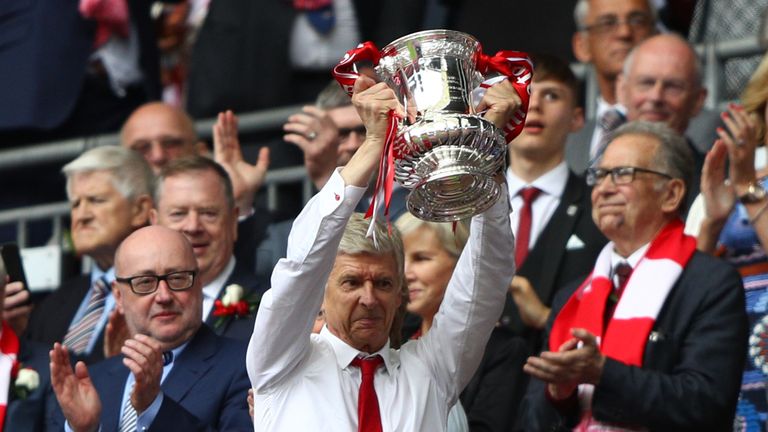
x,y
529,194
368,416
622,272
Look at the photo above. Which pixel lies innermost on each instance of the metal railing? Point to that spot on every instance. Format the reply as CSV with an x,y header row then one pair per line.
x,y
713,54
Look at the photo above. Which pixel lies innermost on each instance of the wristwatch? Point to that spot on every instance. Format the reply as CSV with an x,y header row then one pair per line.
x,y
754,193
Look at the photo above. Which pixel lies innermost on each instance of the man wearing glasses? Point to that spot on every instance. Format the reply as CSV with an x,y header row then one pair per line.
x,y
654,338
174,373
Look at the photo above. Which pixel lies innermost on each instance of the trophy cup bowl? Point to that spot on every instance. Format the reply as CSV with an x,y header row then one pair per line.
x,y
446,154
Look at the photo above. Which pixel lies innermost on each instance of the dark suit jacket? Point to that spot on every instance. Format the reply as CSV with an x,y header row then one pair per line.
x,y
205,390
44,50
551,264
692,364
238,328
50,319
32,413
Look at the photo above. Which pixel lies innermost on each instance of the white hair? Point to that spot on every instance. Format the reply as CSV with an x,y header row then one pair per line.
x,y
129,172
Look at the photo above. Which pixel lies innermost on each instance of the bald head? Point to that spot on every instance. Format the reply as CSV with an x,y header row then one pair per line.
x,y
160,133
170,315
661,82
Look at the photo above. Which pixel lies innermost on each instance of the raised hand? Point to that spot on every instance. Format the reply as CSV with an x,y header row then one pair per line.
x,y
315,133
144,358
741,140
79,401
246,178
115,334
500,103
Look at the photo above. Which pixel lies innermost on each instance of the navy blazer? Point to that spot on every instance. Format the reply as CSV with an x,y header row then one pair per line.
x,y
44,51
51,318
32,413
692,365
205,390
238,328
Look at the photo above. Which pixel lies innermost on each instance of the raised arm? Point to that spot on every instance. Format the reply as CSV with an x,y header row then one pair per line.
x,y
281,336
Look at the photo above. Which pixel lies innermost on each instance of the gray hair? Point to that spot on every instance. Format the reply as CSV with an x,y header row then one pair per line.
x,y
581,11
452,242
354,241
698,76
332,96
673,156
131,175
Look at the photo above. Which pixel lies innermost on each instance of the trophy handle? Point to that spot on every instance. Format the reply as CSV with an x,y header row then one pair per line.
x,y
518,68
346,71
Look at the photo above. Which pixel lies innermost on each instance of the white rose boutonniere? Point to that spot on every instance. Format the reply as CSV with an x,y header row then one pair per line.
x,y
27,381
234,305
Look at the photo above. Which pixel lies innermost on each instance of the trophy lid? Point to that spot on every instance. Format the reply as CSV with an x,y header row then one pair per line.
x,y
432,43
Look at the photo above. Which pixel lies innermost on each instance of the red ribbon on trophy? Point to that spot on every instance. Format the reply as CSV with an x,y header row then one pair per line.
x,y
518,68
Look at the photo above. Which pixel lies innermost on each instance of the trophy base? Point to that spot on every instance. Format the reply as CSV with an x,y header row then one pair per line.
x,y
453,194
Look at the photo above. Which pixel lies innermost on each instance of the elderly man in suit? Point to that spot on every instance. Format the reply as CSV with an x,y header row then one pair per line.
x,y
655,337
607,31
174,372
110,191
194,196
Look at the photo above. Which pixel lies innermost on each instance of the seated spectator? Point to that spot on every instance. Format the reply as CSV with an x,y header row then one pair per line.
x,y
162,133
174,372
109,189
655,337
193,195
361,284
729,219
25,384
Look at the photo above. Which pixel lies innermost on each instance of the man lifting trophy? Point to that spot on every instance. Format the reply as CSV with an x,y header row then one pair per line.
x,y
443,151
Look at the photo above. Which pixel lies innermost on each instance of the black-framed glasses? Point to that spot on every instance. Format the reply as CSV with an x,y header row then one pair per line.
x,y
344,133
167,143
610,23
620,175
147,284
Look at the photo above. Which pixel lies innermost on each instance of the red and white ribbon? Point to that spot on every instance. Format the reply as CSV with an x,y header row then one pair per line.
x,y
518,68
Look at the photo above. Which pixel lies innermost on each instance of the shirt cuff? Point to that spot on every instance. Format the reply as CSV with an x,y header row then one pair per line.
x,y
336,193
145,419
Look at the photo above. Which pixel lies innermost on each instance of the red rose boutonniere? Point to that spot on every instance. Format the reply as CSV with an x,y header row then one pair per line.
x,y
233,306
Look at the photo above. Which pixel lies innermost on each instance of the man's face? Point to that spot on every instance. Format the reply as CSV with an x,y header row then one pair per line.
x,y
171,317
160,134
605,45
101,216
194,204
361,299
661,84
552,115
630,213
351,132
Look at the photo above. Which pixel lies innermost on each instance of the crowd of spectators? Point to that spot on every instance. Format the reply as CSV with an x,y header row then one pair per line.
x,y
619,282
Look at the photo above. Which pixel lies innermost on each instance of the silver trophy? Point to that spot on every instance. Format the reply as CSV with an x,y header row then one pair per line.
x,y
446,154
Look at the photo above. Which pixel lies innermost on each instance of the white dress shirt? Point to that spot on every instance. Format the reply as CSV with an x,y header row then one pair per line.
x,y
552,184
597,135
303,381
212,290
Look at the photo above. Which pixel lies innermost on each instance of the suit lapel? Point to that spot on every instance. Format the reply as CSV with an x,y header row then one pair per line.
x,y
550,247
242,277
116,375
193,363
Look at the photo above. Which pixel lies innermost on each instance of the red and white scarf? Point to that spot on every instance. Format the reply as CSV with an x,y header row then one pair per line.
x,y
9,351
643,297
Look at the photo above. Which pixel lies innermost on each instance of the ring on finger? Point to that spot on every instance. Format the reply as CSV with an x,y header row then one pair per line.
x,y
311,135
740,142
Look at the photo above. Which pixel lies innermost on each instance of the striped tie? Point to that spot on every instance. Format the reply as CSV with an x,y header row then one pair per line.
x,y
129,418
80,333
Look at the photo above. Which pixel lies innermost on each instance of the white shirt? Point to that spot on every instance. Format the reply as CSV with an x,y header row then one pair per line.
x,y
303,381
597,135
212,290
310,50
552,184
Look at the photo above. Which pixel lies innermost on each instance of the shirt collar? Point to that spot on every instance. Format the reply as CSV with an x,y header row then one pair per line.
x,y
551,183
632,260
108,275
603,106
213,289
345,353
